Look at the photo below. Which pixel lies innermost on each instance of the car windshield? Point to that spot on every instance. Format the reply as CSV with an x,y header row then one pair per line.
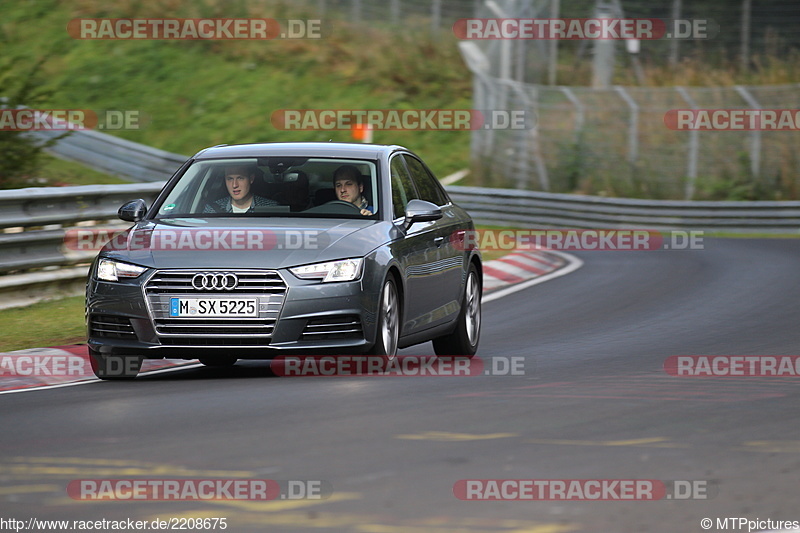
x,y
274,186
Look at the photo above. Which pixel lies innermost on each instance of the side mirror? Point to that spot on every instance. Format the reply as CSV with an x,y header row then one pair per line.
x,y
421,211
133,211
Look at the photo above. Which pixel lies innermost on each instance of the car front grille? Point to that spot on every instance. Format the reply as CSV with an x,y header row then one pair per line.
x,y
336,327
250,282
110,326
265,285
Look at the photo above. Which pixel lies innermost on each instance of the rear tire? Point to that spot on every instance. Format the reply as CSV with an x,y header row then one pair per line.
x,y
114,367
463,341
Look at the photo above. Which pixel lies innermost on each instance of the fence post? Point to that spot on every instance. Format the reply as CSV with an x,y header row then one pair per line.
x,y
579,110
694,148
552,60
755,135
604,49
356,12
436,17
674,43
633,124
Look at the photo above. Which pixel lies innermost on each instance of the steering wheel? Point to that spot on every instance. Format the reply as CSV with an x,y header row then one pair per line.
x,y
342,202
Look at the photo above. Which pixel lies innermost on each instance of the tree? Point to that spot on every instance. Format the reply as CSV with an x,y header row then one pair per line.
x,y
19,151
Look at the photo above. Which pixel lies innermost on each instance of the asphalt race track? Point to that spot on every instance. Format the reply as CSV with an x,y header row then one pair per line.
x,y
594,403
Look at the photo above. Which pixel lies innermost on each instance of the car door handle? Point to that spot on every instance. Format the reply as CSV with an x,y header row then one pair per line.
x,y
438,241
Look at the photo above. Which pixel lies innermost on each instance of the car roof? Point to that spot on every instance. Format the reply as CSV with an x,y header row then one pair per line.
x,y
299,149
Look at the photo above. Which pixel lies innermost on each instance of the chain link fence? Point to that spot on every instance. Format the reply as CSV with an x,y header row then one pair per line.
x,y
765,27
615,142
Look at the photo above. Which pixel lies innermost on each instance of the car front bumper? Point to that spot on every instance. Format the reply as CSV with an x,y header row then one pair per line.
x,y
123,318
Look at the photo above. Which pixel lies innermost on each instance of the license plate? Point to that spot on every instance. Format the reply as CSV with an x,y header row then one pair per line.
x,y
213,307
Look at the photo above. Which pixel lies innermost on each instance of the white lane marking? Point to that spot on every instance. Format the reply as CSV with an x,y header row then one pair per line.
x,y
573,264
96,380
454,177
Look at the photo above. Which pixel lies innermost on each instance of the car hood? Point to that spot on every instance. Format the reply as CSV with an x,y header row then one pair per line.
x,y
246,242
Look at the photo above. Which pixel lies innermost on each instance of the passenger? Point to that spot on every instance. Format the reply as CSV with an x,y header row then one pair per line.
x,y
239,180
349,186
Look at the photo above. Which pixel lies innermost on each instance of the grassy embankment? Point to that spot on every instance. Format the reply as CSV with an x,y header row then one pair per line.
x,y
193,94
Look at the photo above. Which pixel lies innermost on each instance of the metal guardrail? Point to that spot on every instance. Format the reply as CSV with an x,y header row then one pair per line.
x,y
530,209
35,258
113,155
40,206
36,243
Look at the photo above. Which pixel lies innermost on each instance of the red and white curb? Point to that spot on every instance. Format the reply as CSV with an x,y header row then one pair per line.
x,y
61,366
519,266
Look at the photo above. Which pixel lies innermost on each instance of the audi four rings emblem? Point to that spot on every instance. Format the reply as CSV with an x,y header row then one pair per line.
x,y
222,281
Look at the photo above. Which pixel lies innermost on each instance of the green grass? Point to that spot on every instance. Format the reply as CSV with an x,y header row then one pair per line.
x,y
51,323
57,172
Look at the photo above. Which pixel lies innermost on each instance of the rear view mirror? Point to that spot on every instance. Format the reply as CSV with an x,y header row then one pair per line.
x,y
133,211
421,211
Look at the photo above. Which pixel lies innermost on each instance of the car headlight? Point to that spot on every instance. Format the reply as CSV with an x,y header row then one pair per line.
x,y
344,270
109,270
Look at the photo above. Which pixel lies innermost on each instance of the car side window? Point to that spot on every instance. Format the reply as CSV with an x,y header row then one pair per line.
x,y
402,187
426,184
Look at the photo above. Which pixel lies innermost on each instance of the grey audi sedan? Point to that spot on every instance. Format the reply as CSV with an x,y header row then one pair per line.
x,y
256,250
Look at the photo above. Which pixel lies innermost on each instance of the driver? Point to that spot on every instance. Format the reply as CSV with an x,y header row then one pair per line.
x,y
239,180
349,186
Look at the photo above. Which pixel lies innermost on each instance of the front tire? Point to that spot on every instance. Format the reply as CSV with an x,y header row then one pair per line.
x,y
463,341
113,367
388,322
